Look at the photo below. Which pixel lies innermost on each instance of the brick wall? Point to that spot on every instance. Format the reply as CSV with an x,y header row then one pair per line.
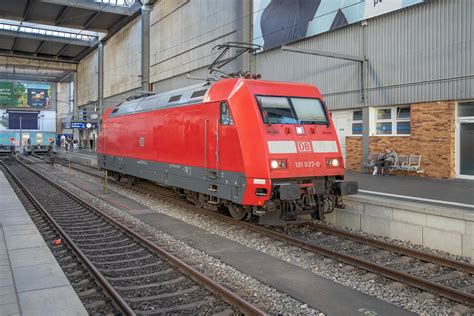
x,y
354,153
432,135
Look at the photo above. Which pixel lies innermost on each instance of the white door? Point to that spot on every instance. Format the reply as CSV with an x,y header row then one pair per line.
x,y
342,123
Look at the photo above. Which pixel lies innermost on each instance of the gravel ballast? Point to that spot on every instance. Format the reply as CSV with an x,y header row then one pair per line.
x,y
265,297
404,296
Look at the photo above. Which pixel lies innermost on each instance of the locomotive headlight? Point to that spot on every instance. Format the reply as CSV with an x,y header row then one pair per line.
x,y
279,164
333,162
274,164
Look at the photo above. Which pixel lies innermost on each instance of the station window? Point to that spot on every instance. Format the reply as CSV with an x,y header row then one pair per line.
x,y
357,122
393,121
226,118
466,109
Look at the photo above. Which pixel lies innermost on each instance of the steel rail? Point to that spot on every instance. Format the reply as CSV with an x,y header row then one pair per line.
x,y
446,262
228,296
424,284
120,302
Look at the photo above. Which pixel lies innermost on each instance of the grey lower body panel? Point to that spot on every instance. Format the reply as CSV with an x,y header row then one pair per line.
x,y
222,184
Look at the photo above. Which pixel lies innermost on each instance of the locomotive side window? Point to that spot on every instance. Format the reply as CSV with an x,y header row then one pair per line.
x,y
309,111
276,110
226,118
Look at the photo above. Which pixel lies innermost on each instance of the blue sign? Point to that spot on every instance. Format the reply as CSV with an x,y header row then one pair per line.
x,y
84,125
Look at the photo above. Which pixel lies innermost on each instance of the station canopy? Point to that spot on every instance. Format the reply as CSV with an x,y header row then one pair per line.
x,y
58,30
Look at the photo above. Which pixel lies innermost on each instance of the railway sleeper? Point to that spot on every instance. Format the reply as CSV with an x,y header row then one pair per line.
x,y
177,309
189,290
149,275
123,260
150,265
129,245
147,286
137,251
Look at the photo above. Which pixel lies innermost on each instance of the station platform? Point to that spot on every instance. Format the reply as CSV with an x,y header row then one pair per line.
x,y
81,152
457,193
31,281
435,213
82,156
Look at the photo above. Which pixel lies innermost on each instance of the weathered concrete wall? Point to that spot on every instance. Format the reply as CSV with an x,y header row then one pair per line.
x,y
447,229
122,60
62,107
184,32
87,79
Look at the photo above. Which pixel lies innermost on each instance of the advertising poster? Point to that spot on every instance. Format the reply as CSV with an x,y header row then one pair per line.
x,y
279,22
37,97
24,95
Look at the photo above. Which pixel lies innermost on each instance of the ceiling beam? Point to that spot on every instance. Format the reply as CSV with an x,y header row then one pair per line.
x,y
47,38
62,50
14,44
94,6
83,53
40,46
27,60
42,77
59,19
27,10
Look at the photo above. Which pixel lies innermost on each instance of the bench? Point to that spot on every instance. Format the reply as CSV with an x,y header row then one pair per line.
x,y
372,160
409,163
413,164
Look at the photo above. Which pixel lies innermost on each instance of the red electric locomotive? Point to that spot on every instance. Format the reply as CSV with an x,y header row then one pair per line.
x,y
261,148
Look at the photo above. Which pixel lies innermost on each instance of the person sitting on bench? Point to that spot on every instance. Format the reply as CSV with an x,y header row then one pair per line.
x,y
385,161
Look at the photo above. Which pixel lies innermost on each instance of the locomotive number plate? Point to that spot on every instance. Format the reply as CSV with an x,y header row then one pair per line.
x,y
304,146
307,164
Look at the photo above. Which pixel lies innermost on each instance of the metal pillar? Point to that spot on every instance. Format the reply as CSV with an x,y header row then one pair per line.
x,y
100,78
365,133
365,97
146,47
244,12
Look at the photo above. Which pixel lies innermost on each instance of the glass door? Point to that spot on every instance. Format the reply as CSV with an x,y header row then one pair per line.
x,y
466,148
465,140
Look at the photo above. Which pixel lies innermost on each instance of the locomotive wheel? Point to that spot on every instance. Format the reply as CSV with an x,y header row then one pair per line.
x,y
318,215
115,176
237,212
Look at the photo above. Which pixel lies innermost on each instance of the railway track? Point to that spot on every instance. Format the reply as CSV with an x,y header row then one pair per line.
x,y
137,275
448,278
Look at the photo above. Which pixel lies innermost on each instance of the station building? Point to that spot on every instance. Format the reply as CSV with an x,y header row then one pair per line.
x,y
396,74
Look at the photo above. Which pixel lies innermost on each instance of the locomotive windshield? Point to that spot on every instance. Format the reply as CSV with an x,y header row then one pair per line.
x,y
291,110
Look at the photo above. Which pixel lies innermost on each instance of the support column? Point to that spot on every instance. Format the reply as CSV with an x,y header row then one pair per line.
x,y
146,47
100,74
365,133
75,107
365,97
244,12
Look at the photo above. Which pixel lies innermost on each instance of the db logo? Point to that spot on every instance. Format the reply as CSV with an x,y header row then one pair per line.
x,y
304,146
